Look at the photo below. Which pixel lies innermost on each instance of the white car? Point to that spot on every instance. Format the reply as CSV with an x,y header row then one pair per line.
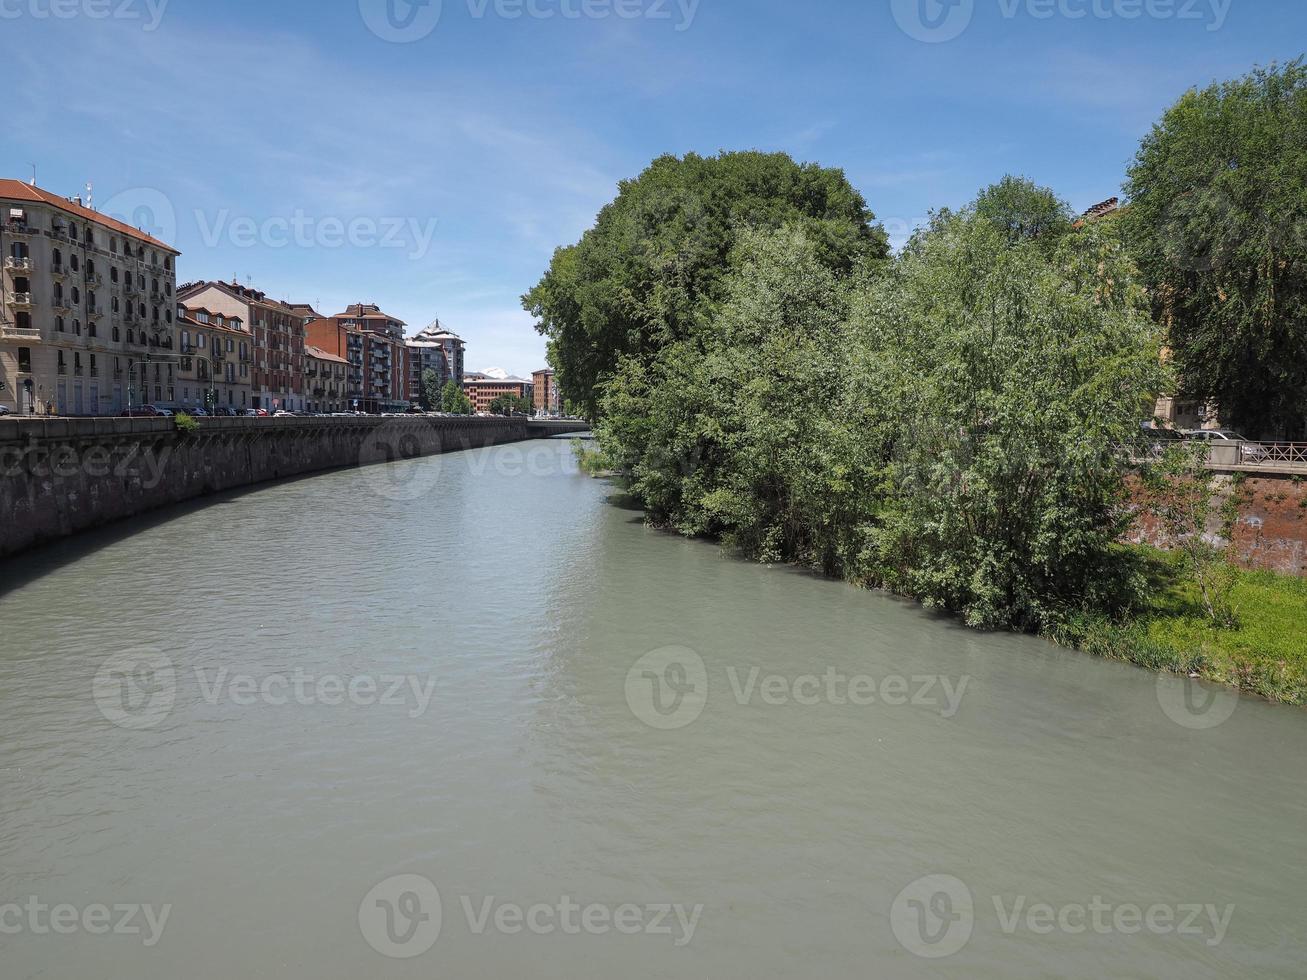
x,y
1215,435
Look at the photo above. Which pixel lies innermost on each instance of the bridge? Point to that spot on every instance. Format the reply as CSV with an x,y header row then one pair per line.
x,y
543,428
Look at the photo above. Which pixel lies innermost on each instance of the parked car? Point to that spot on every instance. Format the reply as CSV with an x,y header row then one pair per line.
x,y
199,413
1215,435
281,413
147,412
259,413
224,412
1250,450
4,409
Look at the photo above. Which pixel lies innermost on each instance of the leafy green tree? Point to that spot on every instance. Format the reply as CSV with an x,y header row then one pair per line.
x,y
1020,377
1217,221
453,401
431,395
510,405
1021,210
650,274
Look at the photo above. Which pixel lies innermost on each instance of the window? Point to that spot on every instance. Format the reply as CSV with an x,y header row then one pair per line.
x,y
72,231
116,335
72,262
113,245
77,296
19,250
77,326
25,360
57,257
23,321
94,370
59,324
113,274
113,304
60,363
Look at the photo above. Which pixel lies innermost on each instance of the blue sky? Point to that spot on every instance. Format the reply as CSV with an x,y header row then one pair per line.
x,y
343,150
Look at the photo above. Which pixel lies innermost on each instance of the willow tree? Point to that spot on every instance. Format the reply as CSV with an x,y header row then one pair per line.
x,y
1218,223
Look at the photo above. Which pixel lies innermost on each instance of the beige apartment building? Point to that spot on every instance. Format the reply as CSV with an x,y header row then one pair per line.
x,y
216,360
325,381
86,308
277,335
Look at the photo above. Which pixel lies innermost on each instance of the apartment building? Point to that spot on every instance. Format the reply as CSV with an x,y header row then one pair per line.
x,y
482,389
326,381
546,398
377,359
86,308
434,349
277,332
216,359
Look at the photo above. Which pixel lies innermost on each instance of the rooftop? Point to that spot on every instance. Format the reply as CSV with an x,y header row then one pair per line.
x,y
17,190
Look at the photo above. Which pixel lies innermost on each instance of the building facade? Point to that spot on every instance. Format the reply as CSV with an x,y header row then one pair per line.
x,y
215,369
483,389
546,398
325,381
377,360
277,332
434,349
86,308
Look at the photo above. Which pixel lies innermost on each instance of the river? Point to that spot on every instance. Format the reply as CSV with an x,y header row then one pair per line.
x,y
468,717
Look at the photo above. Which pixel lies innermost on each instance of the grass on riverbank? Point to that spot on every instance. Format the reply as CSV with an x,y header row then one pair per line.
x,y
1265,654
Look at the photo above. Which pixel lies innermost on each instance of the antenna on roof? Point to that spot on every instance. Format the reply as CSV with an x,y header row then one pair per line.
x,y
90,192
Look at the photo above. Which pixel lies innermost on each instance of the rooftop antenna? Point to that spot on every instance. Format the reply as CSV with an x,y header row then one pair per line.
x,y
90,191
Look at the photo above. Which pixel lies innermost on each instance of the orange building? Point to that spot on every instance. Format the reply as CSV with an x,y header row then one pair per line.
x,y
483,389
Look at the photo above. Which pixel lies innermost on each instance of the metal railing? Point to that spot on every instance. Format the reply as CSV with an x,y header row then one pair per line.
x,y
1273,453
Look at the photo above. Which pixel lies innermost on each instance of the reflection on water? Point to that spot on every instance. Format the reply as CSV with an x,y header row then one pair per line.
x,y
465,717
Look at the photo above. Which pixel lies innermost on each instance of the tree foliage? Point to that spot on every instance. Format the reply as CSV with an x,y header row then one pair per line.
x,y
650,273
1021,210
949,425
453,401
511,405
1218,223
430,393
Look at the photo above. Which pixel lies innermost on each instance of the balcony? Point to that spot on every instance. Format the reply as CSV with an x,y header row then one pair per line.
x,y
20,299
18,265
59,270
8,332
17,227
59,233
94,279
95,312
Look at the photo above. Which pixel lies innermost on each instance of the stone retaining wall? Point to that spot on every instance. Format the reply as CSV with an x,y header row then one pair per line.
x,y
61,476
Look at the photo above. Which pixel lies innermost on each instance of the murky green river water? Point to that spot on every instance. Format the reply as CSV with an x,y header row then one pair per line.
x,y
467,717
